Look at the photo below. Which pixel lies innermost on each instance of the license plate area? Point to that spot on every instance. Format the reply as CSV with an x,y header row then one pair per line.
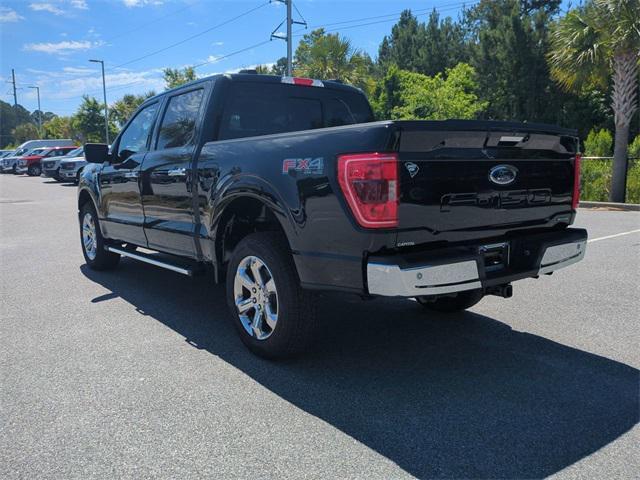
x,y
495,256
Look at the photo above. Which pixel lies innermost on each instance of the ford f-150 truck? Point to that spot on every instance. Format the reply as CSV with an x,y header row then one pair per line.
x,y
286,187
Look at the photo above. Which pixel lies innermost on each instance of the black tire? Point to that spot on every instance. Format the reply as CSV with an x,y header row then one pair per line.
x,y
34,171
457,303
102,259
77,179
296,308
14,169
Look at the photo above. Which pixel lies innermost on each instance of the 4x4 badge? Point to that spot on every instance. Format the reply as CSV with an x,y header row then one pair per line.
x,y
412,168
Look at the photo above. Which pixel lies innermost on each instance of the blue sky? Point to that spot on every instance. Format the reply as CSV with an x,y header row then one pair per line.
x,y
49,42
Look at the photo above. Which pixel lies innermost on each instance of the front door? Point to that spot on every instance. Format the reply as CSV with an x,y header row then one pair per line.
x,y
120,199
167,177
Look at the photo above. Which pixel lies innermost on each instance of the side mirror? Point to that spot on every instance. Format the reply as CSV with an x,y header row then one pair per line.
x,y
96,152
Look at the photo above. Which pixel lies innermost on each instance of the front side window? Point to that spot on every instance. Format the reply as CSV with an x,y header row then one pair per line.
x,y
178,126
135,136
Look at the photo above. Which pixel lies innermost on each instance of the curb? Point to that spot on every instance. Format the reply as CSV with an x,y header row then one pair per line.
x,y
629,207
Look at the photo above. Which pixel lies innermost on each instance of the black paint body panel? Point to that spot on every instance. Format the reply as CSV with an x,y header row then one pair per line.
x,y
448,201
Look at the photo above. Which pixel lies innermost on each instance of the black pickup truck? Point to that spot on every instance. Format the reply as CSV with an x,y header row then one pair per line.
x,y
286,187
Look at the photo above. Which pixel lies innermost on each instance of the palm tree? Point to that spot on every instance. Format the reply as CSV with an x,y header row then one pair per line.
x,y
330,56
596,41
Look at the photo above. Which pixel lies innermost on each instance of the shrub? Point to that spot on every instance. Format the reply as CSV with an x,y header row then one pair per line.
x,y
599,143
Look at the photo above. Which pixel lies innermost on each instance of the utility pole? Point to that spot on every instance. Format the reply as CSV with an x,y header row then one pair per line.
x,y
37,89
106,109
289,39
15,95
289,36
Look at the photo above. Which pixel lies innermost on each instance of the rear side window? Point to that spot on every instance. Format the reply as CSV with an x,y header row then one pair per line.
x,y
178,126
254,109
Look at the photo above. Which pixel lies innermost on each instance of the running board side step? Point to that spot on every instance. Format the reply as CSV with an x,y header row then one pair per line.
x,y
142,257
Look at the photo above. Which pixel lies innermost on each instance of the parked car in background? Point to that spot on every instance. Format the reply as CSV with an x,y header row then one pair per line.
x,y
5,153
32,164
71,166
51,165
10,162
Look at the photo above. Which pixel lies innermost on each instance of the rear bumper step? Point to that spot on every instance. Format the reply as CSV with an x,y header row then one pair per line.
x,y
464,268
143,257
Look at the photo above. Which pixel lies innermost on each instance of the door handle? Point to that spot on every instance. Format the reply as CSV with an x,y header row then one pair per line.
x,y
177,172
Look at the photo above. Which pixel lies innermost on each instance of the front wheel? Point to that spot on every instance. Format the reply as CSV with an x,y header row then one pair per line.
x,y
454,303
34,171
93,243
273,315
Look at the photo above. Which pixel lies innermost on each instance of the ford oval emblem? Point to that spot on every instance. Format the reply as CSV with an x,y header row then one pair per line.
x,y
503,174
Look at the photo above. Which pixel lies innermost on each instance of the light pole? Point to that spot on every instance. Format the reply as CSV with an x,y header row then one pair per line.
x,y
104,92
39,109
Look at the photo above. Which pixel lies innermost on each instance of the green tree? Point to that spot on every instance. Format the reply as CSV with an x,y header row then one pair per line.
x,y
508,41
174,77
598,143
88,121
59,127
10,117
596,43
280,67
24,132
330,56
410,95
121,110
428,48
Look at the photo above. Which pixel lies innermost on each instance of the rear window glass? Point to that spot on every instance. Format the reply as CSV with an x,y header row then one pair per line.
x,y
254,109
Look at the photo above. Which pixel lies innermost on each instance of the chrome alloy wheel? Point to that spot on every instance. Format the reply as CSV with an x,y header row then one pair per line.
x,y
256,298
89,236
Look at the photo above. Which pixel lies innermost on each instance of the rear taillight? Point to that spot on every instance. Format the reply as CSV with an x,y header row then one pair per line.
x,y
575,200
369,182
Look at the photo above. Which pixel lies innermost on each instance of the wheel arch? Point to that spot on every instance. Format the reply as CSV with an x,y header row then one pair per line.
x,y
243,215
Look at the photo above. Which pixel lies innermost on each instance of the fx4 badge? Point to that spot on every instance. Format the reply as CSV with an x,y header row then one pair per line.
x,y
412,168
305,166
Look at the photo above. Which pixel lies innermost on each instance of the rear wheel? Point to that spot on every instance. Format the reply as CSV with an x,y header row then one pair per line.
x,y
93,242
455,303
273,315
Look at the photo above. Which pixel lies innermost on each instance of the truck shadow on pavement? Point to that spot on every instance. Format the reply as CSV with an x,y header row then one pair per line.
x,y
441,397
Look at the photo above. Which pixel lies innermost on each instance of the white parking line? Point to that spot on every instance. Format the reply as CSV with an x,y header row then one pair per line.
x,y
613,236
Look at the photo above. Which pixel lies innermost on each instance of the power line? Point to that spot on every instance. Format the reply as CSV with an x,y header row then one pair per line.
x,y
199,34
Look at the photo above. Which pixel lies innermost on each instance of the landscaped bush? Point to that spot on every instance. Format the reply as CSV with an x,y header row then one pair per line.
x,y
595,180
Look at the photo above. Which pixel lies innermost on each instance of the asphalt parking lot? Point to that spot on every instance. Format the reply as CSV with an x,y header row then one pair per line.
x,y
138,372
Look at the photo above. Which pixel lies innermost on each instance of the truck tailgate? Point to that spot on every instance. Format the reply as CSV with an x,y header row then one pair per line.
x,y
466,175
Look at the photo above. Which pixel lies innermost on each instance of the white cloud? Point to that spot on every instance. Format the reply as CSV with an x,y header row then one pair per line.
x,y
46,7
213,58
217,44
9,15
79,70
79,4
61,48
140,3
117,84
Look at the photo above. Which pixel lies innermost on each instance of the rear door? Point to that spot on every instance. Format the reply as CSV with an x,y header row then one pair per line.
x,y
120,190
167,180
469,176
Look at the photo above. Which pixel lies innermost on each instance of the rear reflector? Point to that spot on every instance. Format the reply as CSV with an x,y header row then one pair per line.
x,y
369,182
575,200
307,82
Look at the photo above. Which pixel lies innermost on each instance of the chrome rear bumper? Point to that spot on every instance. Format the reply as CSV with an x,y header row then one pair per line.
x,y
436,278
